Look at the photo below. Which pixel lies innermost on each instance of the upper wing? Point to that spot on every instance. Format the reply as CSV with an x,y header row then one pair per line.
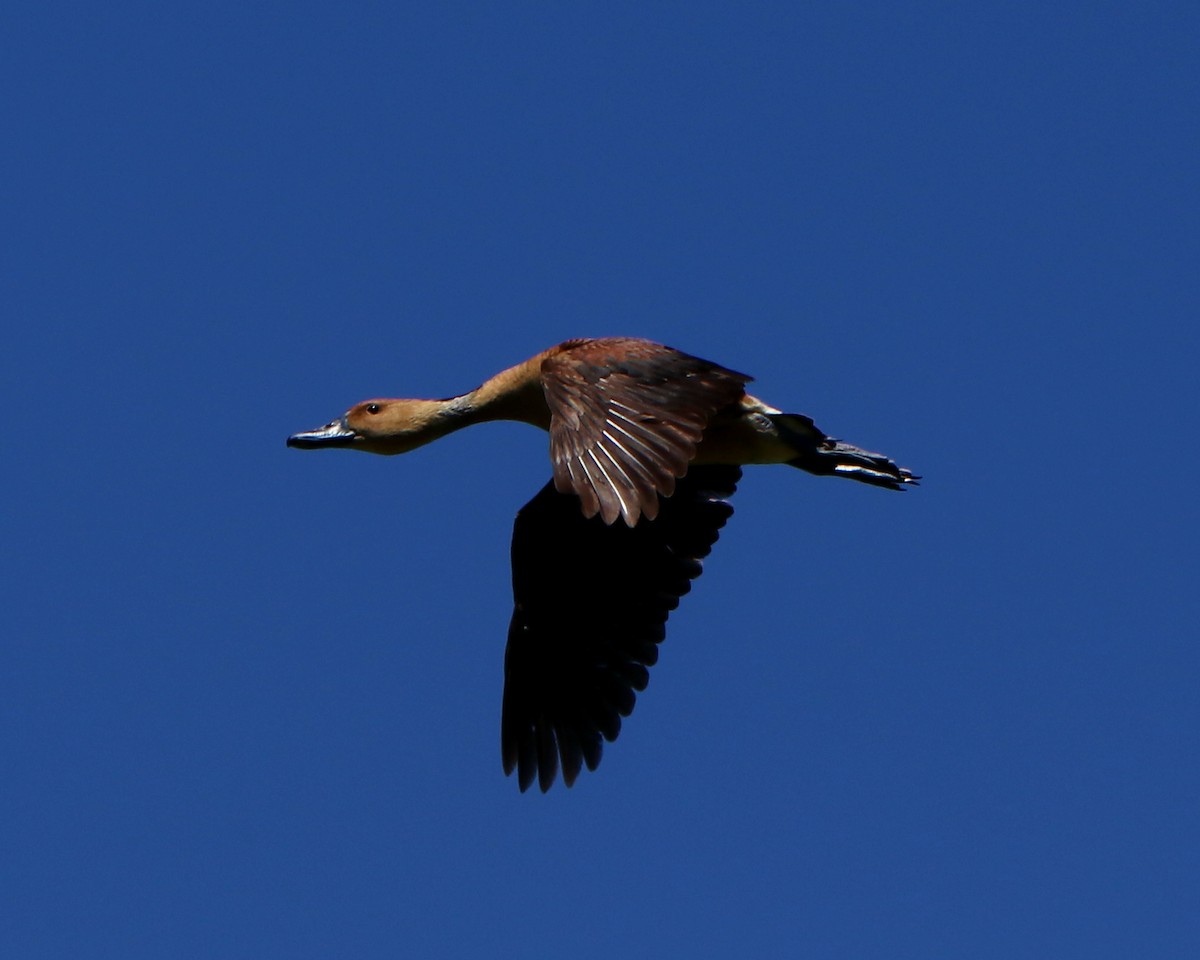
x,y
591,606
625,418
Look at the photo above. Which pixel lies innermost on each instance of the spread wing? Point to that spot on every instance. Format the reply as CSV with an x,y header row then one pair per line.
x,y
591,606
625,418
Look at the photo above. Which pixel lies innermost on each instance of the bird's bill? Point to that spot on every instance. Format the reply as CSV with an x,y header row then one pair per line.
x,y
335,434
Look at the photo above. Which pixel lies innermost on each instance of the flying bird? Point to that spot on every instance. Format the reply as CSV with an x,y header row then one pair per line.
x,y
646,446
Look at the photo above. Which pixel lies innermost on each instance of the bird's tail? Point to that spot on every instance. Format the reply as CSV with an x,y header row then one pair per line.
x,y
826,456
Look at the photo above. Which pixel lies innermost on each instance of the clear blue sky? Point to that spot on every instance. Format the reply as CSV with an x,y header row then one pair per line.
x,y
249,697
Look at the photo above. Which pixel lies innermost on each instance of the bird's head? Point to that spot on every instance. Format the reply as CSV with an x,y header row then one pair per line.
x,y
382,426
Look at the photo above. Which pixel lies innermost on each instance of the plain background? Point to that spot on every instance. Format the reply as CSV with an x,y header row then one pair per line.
x,y
249,697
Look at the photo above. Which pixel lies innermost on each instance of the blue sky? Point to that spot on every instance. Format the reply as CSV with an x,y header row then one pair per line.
x,y
249,697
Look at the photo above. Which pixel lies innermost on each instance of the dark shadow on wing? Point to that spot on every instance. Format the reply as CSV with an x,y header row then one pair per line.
x,y
591,606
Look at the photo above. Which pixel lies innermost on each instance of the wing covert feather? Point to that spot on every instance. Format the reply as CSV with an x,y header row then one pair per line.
x,y
625,419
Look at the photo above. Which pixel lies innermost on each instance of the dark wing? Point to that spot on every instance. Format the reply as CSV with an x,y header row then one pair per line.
x,y
625,418
591,606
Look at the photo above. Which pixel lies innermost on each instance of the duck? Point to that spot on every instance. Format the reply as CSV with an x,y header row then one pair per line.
x,y
647,445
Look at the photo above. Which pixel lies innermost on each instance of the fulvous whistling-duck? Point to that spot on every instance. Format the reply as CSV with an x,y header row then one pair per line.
x,y
647,445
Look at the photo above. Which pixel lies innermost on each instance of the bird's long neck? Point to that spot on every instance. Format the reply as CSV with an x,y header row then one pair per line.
x,y
512,394
405,424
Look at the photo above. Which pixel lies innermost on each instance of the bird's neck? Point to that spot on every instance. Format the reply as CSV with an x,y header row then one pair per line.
x,y
512,394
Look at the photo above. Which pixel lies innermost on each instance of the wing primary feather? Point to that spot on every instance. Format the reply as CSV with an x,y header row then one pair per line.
x,y
607,491
623,486
547,755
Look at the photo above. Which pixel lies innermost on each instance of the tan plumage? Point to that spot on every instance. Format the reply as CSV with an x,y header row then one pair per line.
x,y
646,445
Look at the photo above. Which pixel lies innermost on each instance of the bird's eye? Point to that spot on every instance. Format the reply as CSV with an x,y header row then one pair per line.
x,y
372,408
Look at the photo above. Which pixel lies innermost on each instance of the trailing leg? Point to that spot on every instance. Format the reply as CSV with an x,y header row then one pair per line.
x,y
825,456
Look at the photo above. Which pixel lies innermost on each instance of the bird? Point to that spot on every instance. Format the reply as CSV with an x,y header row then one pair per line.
x,y
647,445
